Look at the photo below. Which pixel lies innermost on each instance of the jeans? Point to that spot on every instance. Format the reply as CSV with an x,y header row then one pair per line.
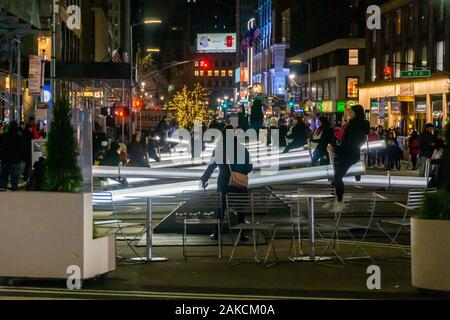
x,y
321,156
422,165
10,170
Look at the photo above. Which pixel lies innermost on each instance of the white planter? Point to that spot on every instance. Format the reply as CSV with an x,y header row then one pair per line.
x,y
430,256
42,234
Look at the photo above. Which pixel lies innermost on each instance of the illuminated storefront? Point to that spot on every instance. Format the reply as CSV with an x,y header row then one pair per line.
x,y
407,103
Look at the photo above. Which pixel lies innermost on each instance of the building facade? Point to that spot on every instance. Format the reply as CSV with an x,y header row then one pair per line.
x,y
414,37
326,56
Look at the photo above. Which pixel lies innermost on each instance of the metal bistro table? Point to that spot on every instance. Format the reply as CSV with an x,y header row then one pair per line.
x,y
311,226
149,227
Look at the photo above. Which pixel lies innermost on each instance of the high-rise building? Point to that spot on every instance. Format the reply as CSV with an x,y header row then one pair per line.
x,y
408,65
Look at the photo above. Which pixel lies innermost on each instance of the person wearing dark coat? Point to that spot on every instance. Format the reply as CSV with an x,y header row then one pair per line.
x,y
426,146
221,160
137,154
13,154
348,152
323,136
112,156
300,134
282,132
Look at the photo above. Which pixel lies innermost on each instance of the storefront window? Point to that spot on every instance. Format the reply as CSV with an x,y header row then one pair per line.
x,y
352,88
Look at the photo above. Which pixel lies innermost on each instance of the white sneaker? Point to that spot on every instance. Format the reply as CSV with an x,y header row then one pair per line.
x,y
329,205
339,206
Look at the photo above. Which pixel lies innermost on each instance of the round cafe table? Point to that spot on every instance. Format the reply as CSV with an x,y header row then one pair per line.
x,y
311,225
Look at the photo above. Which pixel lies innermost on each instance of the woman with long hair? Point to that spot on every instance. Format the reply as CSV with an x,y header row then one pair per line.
x,y
348,152
322,137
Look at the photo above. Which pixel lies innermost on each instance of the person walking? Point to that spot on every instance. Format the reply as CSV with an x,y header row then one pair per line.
x,y
13,154
426,146
414,148
321,137
227,168
300,134
348,152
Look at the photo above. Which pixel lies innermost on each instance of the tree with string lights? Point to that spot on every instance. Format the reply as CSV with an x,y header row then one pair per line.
x,y
190,106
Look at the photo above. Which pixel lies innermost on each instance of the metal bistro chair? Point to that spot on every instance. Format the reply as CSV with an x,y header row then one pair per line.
x,y
250,204
348,223
294,223
416,199
199,209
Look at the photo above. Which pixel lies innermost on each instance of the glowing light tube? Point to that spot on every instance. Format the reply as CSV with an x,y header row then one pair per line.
x,y
170,161
256,180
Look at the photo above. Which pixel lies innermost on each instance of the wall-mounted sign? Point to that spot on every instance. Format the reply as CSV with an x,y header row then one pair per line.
x,y
395,107
406,98
216,42
421,107
35,76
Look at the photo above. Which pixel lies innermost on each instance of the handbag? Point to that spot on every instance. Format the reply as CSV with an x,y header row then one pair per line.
x,y
238,180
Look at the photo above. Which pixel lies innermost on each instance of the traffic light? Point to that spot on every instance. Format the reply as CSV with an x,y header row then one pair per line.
x,y
205,65
292,103
121,112
138,104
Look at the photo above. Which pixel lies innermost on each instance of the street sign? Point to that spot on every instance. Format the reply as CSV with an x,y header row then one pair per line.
x,y
416,74
42,105
114,99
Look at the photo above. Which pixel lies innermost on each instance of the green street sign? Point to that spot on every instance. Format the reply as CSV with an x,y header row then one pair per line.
x,y
416,74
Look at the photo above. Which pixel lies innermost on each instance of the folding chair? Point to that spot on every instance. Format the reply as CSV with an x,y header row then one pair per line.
x,y
248,204
416,199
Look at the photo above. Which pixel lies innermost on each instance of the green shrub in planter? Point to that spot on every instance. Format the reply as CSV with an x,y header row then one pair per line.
x,y
436,206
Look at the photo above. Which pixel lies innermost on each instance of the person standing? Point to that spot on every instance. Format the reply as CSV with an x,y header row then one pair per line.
x,y
137,154
14,153
348,152
426,145
414,148
30,133
220,159
256,116
322,137
282,132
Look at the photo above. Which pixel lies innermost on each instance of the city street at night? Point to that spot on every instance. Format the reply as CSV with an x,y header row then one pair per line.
x,y
225,158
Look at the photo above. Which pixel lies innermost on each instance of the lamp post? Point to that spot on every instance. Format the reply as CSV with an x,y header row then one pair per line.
x,y
147,21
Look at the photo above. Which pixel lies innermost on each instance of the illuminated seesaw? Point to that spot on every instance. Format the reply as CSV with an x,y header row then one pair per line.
x,y
255,181
265,154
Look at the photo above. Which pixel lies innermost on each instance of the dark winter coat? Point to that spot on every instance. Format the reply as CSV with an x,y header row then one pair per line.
x,y
13,148
355,135
223,179
300,134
